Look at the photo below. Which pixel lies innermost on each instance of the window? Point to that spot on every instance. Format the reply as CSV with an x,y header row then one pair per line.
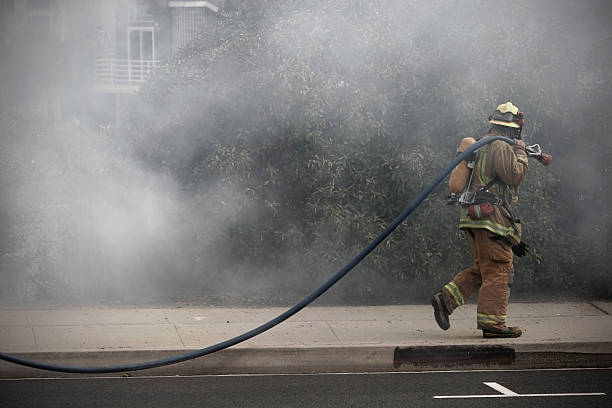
x,y
10,5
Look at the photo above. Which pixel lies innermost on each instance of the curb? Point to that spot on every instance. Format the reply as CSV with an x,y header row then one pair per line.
x,y
351,359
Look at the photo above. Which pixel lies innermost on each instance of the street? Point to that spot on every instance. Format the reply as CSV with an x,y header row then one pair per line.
x,y
532,388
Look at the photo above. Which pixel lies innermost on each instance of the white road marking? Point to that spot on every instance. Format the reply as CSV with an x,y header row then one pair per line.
x,y
506,393
577,394
501,388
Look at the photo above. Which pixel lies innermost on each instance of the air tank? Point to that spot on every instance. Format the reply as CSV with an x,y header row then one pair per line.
x,y
458,179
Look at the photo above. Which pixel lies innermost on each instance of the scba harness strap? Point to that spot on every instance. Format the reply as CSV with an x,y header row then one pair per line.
x,y
482,207
480,196
484,196
482,202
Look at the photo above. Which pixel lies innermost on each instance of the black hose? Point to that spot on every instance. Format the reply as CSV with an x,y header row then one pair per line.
x,y
280,318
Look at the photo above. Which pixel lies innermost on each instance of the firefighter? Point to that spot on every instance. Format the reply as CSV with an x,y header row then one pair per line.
x,y
491,229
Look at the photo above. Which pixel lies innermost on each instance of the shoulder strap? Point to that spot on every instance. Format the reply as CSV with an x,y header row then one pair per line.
x,y
489,184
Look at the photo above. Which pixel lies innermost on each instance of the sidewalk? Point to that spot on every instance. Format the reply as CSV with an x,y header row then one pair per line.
x,y
317,339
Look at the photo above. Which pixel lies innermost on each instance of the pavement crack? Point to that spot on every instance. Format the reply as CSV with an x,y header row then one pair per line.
x,y
179,335
32,330
599,308
335,335
34,336
314,310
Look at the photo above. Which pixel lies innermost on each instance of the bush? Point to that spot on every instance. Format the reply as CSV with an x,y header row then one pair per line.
x,y
331,116
297,130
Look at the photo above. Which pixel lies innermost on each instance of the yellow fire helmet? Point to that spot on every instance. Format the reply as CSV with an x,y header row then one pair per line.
x,y
507,114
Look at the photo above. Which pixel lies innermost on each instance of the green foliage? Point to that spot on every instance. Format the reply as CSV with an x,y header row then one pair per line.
x,y
327,118
302,128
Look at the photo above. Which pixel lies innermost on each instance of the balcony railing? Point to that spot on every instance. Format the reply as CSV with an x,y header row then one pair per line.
x,y
121,76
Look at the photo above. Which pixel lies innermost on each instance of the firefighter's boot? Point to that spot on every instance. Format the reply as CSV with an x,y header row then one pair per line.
x,y
508,332
441,310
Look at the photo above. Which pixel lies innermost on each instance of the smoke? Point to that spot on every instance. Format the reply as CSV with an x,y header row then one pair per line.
x,y
91,209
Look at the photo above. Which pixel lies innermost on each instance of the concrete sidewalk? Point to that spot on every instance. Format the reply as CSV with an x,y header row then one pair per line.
x,y
317,339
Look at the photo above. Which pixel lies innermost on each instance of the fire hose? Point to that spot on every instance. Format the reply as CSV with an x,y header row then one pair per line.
x,y
533,151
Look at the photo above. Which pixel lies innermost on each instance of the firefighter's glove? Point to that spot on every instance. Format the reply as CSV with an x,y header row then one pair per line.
x,y
519,144
521,249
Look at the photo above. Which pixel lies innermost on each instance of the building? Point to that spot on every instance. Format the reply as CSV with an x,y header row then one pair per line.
x,y
110,47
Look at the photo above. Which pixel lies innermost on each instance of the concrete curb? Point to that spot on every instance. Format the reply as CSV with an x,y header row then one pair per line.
x,y
279,360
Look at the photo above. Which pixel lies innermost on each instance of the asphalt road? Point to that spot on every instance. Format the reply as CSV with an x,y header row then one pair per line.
x,y
429,389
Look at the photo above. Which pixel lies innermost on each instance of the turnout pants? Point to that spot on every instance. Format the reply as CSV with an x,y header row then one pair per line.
x,y
491,275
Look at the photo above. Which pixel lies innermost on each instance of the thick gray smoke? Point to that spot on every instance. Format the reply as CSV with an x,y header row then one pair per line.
x,y
83,216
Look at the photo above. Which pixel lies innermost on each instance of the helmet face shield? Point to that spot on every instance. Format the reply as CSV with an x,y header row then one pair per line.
x,y
504,117
508,115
